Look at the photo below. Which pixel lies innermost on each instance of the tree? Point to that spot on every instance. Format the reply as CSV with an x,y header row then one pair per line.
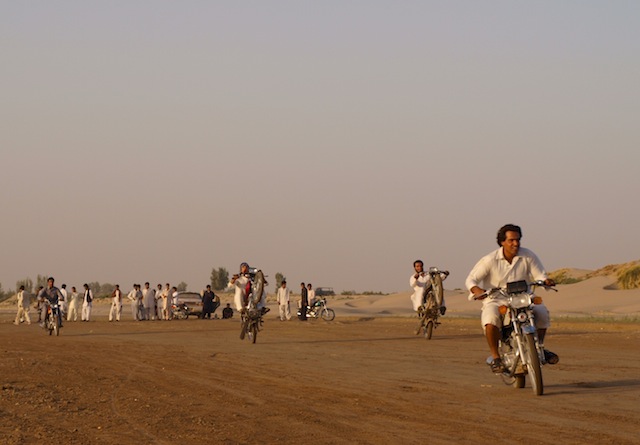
x,y
41,280
279,279
219,278
27,283
182,286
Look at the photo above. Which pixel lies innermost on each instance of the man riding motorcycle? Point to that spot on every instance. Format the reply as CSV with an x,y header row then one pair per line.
x,y
507,264
52,294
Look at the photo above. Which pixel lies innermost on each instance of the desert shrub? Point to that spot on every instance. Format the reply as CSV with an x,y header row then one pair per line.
x,y
561,277
370,292
348,292
629,278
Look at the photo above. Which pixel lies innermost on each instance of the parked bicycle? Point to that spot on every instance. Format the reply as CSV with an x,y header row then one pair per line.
x,y
432,308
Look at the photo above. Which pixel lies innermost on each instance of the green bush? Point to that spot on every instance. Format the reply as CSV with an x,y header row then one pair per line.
x,y
629,278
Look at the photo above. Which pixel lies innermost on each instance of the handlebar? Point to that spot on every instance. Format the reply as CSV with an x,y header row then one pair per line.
x,y
491,292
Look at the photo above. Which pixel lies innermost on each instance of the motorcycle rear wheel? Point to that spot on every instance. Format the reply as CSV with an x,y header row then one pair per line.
x,y
428,330
253,332
243,329
327,314
534,369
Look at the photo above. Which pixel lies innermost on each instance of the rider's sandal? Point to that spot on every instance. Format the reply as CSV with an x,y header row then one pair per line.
x,y
496,366
550,357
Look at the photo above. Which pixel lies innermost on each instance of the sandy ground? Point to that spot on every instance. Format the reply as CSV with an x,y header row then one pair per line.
x,y
354,380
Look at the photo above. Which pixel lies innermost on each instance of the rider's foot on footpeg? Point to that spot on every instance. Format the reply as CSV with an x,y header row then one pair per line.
x,y
550,357
496,365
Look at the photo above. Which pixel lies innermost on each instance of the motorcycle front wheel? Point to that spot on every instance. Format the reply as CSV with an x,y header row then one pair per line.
x,y
438,291
327,314
533,368
56,326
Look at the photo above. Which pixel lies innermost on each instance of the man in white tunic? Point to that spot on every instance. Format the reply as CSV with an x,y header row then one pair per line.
x,y
24,300
116,304
149,301
283,299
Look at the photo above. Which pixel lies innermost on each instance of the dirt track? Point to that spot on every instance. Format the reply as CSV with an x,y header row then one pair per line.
x,y
343,382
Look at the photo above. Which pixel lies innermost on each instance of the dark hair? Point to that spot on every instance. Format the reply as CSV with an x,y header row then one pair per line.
x,y
416,262
502,233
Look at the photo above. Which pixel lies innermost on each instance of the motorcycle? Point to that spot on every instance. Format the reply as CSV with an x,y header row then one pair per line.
x,y
251,317
521,352
430,310
180,311
319,309
53,319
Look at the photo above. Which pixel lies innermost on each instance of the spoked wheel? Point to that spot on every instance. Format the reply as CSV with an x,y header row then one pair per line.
x,y
533,367
258,286
243,329
253,332
428,330
436,288
327,314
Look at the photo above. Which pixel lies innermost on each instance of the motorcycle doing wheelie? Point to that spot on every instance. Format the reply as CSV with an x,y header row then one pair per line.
x,y
53,318
521,352
319,309
251,316
430,311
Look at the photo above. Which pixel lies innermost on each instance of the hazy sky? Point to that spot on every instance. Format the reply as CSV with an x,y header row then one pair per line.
x,y
332,141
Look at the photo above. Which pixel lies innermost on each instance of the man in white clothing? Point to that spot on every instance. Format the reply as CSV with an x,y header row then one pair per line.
x,y
239,282
283,299
87,301
507,264
420,283
73,305
63,301
148,301
135,298
24,300
311,295
116,304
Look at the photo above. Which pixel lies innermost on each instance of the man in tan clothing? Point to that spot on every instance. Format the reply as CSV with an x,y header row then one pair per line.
x,y
24,300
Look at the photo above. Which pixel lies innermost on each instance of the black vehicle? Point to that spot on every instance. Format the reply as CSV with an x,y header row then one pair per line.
x,y
324,291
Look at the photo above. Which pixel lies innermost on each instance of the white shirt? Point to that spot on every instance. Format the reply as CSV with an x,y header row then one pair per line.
x,y
24,299
418,285
493,270
282,296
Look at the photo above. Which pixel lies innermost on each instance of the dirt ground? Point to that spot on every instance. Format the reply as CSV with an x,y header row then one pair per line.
x,y
356,380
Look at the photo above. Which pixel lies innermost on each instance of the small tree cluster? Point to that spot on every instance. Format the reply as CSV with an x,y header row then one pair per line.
x,y
219,278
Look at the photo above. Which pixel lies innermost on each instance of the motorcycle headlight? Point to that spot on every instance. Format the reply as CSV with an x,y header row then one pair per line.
x,y
522,317
520,300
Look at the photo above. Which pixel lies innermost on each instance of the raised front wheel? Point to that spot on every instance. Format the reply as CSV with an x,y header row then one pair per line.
x,y
438,291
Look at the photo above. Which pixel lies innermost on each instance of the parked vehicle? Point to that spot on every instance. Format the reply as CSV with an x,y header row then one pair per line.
x,y
430,311
324,291
180,311
319,310
519,347
188,303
